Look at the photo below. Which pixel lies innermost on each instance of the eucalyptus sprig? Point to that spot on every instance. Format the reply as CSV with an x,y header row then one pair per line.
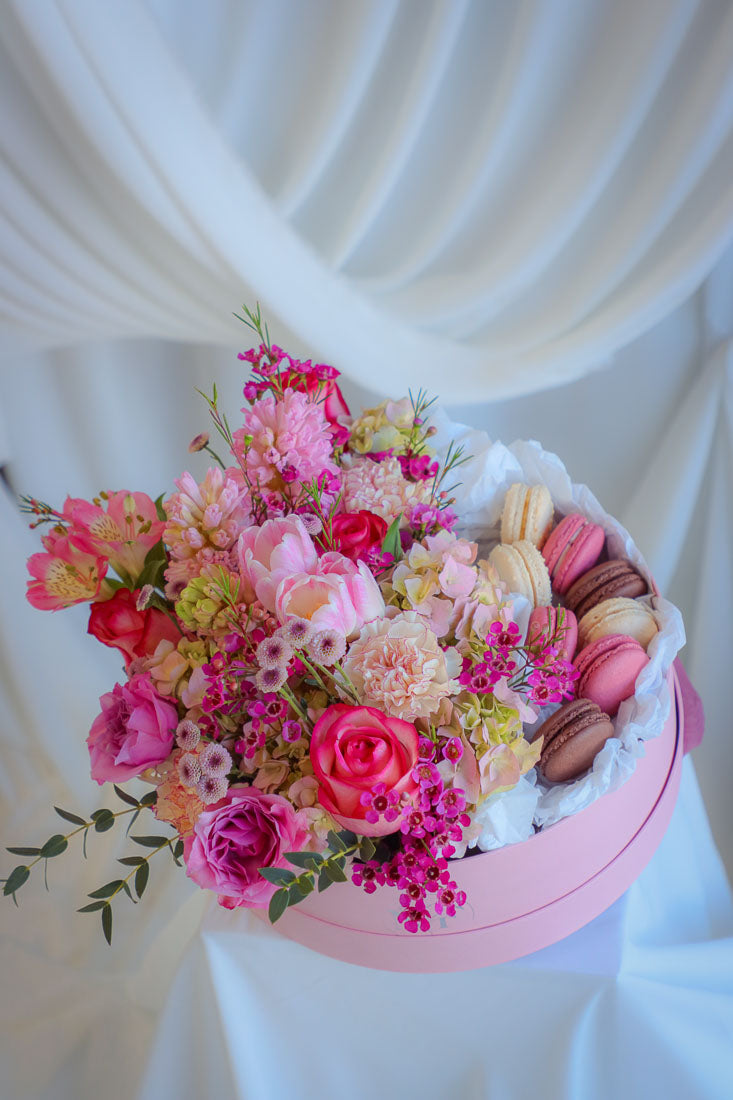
x,y
320,869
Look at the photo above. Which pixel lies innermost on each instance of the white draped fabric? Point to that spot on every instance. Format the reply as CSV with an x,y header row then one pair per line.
x,y
525,207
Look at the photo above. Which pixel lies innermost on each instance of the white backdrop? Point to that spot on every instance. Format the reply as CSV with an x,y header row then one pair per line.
x,y
524,206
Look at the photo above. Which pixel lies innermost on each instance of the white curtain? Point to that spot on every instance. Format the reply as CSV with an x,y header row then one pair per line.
x,y
524,206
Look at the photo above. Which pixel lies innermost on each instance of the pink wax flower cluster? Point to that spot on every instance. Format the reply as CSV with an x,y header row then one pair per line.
x,y
322,679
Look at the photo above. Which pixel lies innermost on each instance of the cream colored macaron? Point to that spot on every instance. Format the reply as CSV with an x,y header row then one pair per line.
x,y
522,569
528,514
619,615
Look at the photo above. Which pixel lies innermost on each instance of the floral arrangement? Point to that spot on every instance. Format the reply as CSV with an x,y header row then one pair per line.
x,y
322,680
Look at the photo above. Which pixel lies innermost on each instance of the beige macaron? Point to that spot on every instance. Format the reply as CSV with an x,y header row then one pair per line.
x,y
528,514
619,615
522,569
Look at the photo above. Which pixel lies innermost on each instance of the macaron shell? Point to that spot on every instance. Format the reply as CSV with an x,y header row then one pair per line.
x,y
511,517
608,670
510,566
534,563
580,555
558,539
572,737
618,616
528,512
543,625
605,581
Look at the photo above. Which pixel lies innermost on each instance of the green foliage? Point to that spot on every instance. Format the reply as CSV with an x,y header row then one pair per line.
x,y
320,870
391,542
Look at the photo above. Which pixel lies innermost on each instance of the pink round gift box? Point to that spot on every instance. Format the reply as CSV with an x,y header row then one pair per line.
x,y
522,897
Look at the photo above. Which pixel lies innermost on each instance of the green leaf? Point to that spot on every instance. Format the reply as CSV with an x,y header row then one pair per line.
x,y
131,861
334,872
92,907
278,905
335,842
107,923
124,796
150,841
324,882
178,849
141,878
131,822
149,799
278,876
159,507
24,851
107,890
103,820
391,542
126,888
16,879
54,846
348,837
309,860
306,886
367,848
73,818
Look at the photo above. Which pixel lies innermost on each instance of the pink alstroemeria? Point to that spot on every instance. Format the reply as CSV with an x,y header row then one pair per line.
x,y
63,575
123,533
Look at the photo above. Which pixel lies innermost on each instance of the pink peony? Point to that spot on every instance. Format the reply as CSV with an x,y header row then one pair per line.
x,y
268,554
354,748
397,665
231,840
134,731
291,443
123,533
64,575
342,596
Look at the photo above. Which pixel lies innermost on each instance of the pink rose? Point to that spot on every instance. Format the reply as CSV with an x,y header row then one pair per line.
x,y
134,731
354,748
119,624
268,554
231,840
340,596
356,533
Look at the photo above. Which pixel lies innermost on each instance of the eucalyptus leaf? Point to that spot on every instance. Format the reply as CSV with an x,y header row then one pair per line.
x,y
103,820
124,796
278,876
73,818
367,848
278,905
16,879
141,878
54,846
107,923
92,907
150,841
107,890
149,799
334,872
24,851
131,861
324,882
309,860
335,842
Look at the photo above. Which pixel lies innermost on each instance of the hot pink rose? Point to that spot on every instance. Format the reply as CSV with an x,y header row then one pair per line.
x,y
354,748
268,554
231,840
355,533
340,596
134,731
119,624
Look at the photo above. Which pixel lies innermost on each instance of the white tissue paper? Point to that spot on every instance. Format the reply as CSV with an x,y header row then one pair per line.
x,y
513,816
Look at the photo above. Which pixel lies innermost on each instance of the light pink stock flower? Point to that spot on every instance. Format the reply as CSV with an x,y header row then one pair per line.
x,y
291,442
63,575
398,666
211,514
380,487
123,533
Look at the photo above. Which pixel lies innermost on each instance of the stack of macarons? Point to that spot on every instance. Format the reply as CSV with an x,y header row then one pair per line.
x,y
601,614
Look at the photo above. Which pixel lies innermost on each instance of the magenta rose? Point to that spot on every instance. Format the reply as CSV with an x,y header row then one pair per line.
x,y
134,731
118,623
356,533
354,748
231,840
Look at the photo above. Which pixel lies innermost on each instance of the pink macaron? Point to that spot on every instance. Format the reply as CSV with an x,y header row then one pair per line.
x,y
608,670
557,625
572,549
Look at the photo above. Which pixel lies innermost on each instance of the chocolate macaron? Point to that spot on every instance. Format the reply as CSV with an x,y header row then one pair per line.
x,y
573,735
605,581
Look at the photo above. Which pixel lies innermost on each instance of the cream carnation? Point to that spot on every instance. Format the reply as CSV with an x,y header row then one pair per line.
x,y
379,487
397,666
